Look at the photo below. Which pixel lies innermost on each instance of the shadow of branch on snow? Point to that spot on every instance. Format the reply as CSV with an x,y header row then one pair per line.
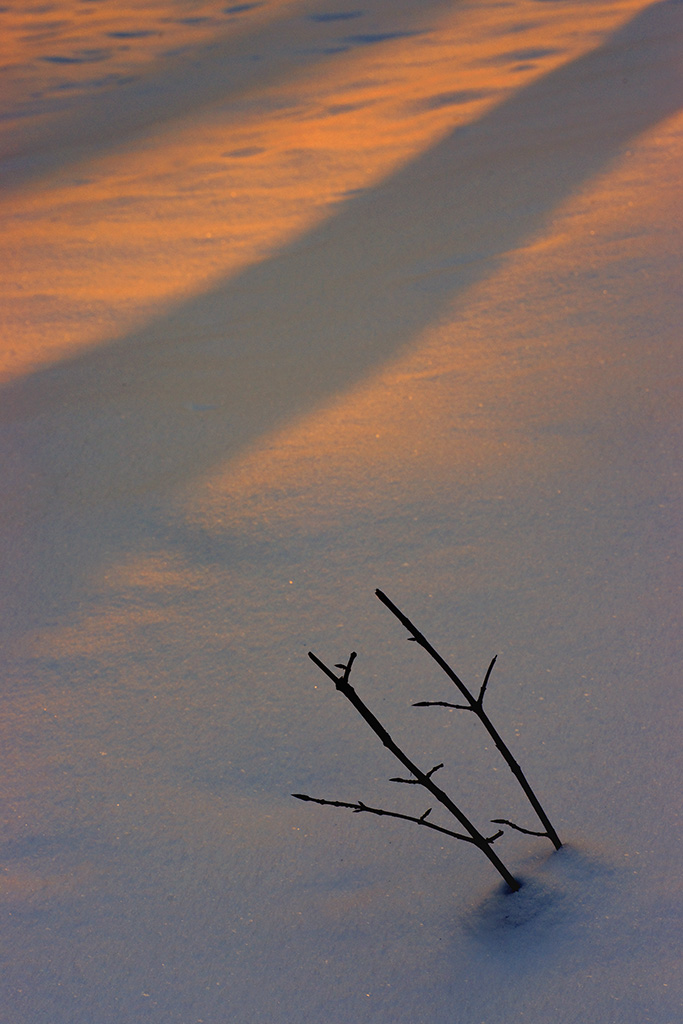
x,y
90,438
555,895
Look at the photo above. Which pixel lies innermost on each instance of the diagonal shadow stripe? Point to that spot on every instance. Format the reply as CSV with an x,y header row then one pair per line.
x,y
98,432
222,70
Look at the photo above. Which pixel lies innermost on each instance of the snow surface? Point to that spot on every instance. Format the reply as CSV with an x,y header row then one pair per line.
x,y
306,299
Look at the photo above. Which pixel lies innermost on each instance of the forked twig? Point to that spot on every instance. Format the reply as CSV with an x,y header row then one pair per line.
x,y
475,704
416,782
422,778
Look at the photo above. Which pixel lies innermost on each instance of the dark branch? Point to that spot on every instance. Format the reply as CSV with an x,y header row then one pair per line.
x,y
480,698
526,831
360,806
441,704
328,671
422,640
380,812
476,705
346,689
416,782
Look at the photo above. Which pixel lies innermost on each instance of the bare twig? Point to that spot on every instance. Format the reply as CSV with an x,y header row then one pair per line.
x,y
489,670
442,704
360,806
416,782
343,685
526,831
475,704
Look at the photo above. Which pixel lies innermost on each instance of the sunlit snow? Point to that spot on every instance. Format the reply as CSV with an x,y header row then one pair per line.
x,y
302,299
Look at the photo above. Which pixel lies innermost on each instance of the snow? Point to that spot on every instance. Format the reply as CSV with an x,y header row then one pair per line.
x,y
302,305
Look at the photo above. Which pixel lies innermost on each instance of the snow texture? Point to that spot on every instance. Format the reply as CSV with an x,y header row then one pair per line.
x,y
306,299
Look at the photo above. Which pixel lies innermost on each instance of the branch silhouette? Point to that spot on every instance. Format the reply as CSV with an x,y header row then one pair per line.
x,y
476,705
381,812
424,779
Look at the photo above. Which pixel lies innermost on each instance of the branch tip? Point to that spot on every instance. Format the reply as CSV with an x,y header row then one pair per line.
x,y
480,698
491,839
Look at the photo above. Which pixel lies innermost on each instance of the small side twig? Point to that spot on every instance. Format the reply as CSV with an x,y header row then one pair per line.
x,y
416,782
489,670
526,831
476,705
441,704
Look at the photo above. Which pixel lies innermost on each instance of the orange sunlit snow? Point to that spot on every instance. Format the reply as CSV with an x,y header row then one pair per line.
x,y
105,242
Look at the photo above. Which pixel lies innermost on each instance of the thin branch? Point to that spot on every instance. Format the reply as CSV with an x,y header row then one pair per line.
x,y
476,705
381,812
480,698
360,806
416,782
526,831
420,639
343,685
441,704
